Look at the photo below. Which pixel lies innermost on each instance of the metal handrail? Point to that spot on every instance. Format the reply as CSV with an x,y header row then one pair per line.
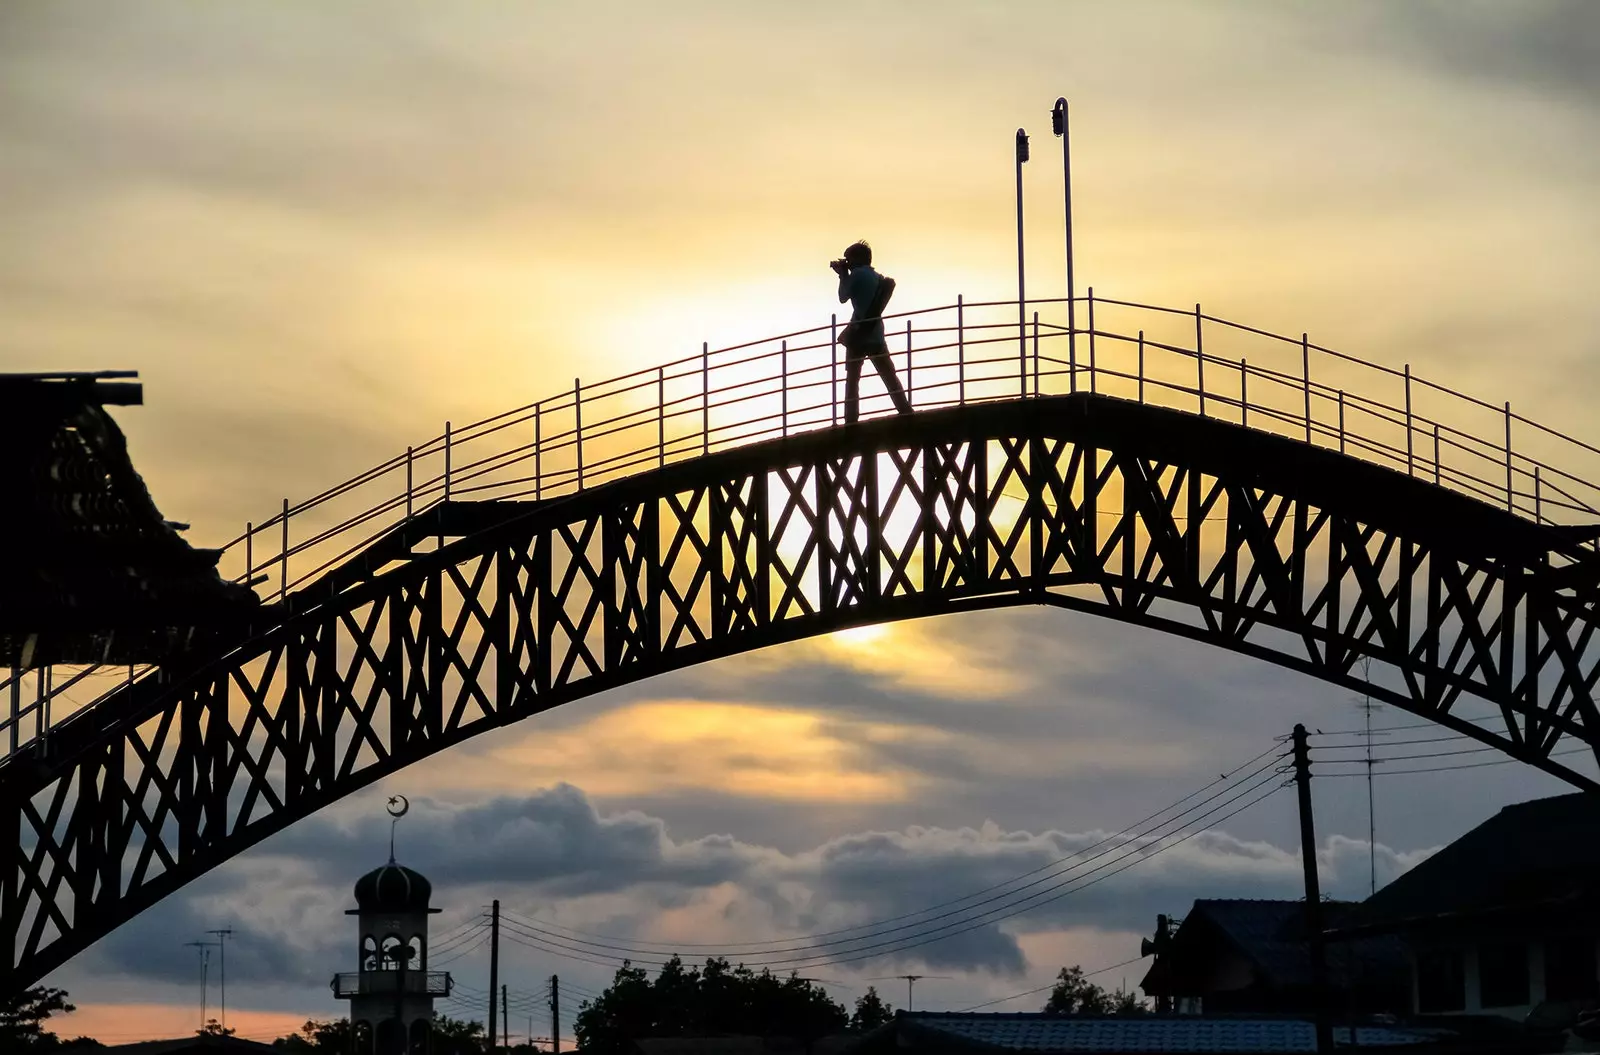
x,y
968,353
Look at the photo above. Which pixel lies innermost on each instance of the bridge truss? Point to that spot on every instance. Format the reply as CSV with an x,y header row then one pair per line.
x,y
481,603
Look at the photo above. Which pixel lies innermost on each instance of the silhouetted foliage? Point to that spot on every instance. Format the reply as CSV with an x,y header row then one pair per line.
x,y
1074,994
717,1000
213,1028
872,1011
450,1037
22,1019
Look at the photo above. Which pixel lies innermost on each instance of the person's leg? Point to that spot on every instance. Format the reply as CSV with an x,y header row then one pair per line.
x,y
852,386
885,364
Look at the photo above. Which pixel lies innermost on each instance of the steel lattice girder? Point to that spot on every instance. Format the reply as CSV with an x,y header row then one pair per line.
x,y
1349,572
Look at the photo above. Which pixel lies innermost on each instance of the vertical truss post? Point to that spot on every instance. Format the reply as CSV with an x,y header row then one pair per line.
x,y
1036,353
1305,377
961,350
783,385
911,387
1141,366
661,415
1199,360
1510,502
283,570
705,397
447,446
577,425
1410,458
833,367
1092,365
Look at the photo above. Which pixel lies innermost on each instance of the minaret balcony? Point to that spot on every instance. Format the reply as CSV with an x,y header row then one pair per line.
x,y
371,983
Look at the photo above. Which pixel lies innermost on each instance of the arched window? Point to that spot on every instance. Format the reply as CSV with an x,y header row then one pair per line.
x,y
391,952
420,1035
419,952
369,953
363,1037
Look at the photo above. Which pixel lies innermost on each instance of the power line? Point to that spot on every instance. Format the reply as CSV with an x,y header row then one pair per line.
x,y
1050,985
872,929
1052,894
1466,765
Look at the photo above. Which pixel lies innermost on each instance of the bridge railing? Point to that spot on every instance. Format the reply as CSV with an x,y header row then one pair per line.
x,y
718,398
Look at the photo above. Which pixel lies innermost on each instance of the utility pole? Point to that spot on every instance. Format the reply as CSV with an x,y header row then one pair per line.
x,y
555,1014
1308,855
505,1017
494,966
223,935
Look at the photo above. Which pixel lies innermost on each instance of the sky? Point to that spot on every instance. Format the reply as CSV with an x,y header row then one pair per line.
x,y
319,231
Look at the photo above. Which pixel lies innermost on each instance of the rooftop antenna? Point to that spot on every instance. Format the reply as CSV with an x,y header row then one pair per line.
x,y
205,973
1368,706
911,981
398,806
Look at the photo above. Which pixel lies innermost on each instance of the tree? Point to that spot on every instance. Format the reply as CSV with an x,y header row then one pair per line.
x,y
453,1036
1076,995
717,999
872,1011
22,1019
213,1029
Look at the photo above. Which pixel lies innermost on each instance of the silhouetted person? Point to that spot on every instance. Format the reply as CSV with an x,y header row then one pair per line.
x,y
868,294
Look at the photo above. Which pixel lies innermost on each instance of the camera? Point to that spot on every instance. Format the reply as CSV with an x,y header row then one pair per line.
x,y
839,265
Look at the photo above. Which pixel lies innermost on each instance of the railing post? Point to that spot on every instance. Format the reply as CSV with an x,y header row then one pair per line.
x,y
1244,394
410,477
447,461
1341,421
1538,517
1036,353
1305,374
961,350
1092,365
1436,452
577,425
538,453
1141,366
705,397
833,367
1510,502
783,385
283,571
1199,361
661,415
911,385
1410,459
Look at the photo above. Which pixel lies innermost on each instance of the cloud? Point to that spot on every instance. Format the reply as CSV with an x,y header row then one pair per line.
x,y
566,873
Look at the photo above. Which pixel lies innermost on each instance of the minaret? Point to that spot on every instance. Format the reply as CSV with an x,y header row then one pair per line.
x,y
391,996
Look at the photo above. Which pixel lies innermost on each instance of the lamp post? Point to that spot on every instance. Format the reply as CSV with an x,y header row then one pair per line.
x,y
1022,302
1058,122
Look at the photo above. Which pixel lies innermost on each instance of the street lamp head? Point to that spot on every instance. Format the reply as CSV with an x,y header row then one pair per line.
x,y
1058,117
1022,146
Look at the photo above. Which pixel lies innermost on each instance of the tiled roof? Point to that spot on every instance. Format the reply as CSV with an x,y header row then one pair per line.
x,y
193,1045
1149,1033
90,571
1533,851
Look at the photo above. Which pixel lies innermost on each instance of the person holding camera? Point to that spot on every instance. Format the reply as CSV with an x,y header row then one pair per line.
x,y
868,294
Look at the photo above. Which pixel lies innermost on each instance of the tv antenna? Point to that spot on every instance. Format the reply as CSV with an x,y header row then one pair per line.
x,y
911,981
205,948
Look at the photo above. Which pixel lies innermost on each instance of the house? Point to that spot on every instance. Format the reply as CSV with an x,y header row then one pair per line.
x,y
1235,955
1505,919
962,1033
195,1044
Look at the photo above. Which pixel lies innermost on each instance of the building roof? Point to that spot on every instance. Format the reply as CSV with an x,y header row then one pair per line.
x,y
741,1045
1272,936
194,1045
1545,850
90,571
1149,1033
